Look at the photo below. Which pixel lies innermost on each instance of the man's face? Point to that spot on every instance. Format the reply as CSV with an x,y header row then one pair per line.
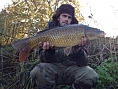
x,y
65,19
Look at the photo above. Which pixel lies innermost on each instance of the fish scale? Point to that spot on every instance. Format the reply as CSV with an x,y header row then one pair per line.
x,y
65,39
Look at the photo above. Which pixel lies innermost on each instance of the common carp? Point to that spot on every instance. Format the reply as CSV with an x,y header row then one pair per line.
x,y
64,36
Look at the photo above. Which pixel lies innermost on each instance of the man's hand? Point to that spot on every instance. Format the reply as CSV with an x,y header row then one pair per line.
x,y
84,41
45,45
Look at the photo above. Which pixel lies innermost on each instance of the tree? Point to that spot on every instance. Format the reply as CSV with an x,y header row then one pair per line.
x,y
26,17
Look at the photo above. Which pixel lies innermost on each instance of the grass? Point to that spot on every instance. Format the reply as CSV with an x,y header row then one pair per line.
x,y
15,75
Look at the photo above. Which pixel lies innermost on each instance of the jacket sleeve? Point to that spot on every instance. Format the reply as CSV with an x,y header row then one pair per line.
x,y
81,56
47,55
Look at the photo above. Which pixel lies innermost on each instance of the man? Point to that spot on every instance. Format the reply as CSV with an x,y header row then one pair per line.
x,y
57,68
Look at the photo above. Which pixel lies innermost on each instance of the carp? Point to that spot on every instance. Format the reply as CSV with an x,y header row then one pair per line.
x,y
63,36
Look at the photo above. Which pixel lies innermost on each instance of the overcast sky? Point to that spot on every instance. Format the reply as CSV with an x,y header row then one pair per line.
x,y
105,14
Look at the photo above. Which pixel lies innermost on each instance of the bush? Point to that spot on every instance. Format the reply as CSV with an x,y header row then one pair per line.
x,y
108,74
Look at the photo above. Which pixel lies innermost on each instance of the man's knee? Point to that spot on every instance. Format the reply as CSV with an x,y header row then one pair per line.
x,y
38,70
37,75
40,75
34,72
90,77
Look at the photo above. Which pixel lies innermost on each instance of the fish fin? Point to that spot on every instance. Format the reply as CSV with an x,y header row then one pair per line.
x,y
23,47
67,51
24,53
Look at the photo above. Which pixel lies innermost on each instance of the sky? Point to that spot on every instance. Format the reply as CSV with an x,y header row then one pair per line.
x,y
105,14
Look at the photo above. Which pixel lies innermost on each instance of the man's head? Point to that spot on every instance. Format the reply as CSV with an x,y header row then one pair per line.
x,y
64,15
64,19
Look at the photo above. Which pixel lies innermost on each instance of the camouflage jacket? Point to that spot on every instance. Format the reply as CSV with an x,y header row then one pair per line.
x,y
56,55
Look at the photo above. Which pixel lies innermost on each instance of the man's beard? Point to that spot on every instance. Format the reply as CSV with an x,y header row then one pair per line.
x,y
65,24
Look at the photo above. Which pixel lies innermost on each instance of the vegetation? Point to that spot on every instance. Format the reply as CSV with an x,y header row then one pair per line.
x,y
108,75
24,19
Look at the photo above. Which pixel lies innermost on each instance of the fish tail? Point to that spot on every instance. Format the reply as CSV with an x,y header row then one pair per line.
x,y
23,47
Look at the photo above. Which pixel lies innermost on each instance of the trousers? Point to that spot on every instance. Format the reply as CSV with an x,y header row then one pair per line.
x,y
51,75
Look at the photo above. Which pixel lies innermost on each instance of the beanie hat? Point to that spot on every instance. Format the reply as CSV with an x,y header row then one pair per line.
x,y
65,8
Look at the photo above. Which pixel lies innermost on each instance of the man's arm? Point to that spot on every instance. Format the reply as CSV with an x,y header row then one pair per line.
x,y
80,53
47,55
46,52
80,56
